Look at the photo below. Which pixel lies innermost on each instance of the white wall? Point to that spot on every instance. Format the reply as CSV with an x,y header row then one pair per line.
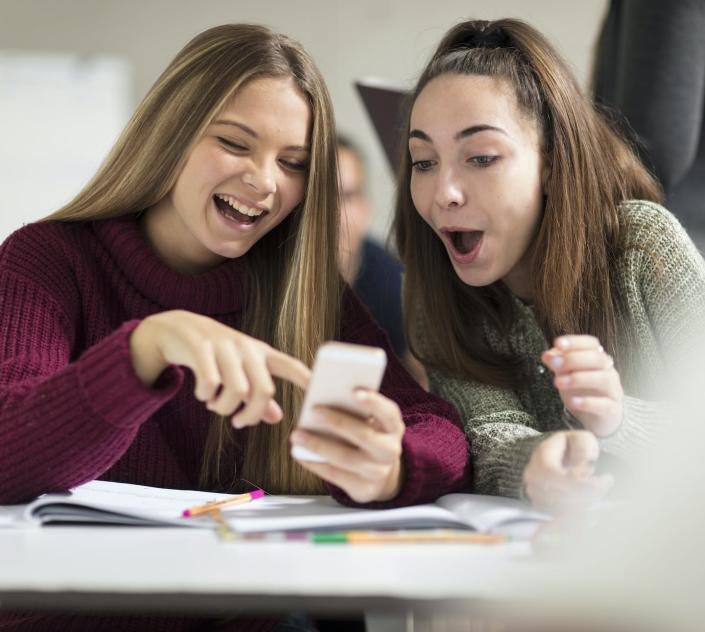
x,y
389,39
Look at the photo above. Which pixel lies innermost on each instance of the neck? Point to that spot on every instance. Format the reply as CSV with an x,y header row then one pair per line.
x,y
519,280
173,243
350,264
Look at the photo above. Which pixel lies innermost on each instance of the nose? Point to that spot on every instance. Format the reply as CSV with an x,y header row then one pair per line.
x,y
449,189
260,177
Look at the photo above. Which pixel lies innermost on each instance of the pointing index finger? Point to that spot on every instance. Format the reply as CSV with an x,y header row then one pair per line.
x,y
288,368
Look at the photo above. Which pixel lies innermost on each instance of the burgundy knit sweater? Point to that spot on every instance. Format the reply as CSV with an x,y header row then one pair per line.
x,y
73,410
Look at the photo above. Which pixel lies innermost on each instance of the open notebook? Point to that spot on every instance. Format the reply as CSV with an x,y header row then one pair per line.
x,y
101,502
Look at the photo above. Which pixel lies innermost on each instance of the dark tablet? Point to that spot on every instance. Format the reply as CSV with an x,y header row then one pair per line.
x,y
384,107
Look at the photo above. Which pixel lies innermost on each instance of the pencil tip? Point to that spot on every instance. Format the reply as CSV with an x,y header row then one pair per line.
x,y
258,493
186,513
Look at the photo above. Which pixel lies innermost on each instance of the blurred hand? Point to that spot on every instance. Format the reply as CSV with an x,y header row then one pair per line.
x,y
587,381
363,454
560,473
230,368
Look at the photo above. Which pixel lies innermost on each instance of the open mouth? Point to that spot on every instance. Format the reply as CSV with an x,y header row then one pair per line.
x,y
234,211
465,241
464,244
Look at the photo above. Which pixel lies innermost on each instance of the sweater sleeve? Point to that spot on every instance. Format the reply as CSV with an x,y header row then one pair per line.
x,y
664,275
435,454
63,420
502,433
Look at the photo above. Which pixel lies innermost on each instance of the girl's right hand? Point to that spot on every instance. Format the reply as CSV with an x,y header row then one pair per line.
x,y
560,474
230,368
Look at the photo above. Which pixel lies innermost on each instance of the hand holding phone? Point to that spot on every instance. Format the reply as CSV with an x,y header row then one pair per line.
x,y
349,434
338,370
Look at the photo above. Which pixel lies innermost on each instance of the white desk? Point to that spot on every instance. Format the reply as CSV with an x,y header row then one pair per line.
x,y
191,571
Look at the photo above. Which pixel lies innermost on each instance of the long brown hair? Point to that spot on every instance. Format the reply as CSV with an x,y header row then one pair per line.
x,y
293,288
592,171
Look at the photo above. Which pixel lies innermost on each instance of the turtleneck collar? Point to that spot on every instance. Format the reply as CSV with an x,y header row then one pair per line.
x,y
217,291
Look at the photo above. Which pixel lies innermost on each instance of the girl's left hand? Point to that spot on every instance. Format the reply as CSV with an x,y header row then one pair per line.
x,y
587,381
363,455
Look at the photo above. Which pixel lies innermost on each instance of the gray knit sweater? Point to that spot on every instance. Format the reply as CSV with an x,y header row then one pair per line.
x,y
661,280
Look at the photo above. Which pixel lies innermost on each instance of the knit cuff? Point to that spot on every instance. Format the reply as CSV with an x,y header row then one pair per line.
x,y
503,470
111,387
641,424
429,474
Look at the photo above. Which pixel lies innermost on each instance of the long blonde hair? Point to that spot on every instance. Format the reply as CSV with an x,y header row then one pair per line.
x,y
593,170
293,288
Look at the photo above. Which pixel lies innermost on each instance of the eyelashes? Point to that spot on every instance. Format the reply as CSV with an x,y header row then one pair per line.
x,y
481,162
295,166
484,161
230,144
288,164
422,165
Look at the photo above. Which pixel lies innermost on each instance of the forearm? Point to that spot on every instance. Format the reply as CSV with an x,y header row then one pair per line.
x,y
501,433
63,427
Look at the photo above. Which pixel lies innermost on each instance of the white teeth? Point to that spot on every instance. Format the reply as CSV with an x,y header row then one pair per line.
x,y
245,210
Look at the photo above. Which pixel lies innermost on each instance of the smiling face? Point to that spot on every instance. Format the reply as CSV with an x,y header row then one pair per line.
x,y
242,178
477,175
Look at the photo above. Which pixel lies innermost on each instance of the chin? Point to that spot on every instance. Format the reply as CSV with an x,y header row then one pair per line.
x,y
229,250
473,278
234,252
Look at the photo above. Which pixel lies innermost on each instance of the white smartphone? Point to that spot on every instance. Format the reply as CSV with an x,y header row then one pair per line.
x,y
339,369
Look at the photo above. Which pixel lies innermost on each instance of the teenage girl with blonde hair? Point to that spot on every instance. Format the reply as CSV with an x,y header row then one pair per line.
x,y
151,325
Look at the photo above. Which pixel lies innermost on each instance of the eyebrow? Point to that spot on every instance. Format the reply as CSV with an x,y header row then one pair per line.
x,y
464,133
250,132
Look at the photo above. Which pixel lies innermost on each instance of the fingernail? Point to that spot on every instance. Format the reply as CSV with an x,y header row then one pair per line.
x,y
361,395
563,343
236,423
557,361
298,438
564,380
576,401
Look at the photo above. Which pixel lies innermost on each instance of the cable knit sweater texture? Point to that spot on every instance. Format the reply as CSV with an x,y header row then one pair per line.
x,y
72,408
661,281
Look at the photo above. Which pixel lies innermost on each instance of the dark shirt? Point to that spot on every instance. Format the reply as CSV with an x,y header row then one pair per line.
x,y
650,68
378,284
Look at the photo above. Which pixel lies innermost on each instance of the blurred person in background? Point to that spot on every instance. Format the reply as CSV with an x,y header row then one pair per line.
x,y
374,274
649,75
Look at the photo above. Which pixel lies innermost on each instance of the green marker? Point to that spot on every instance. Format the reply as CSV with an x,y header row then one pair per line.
x,y
336,537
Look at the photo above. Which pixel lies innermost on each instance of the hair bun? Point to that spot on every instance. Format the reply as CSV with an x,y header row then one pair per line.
x,y
487,38
477,34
